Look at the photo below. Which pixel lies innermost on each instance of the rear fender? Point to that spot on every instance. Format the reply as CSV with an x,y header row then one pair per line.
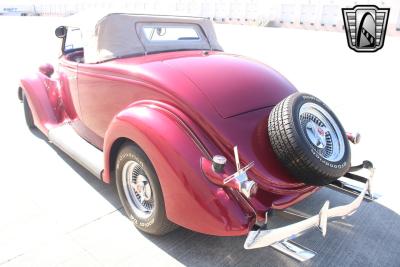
x,y
44,100
191,200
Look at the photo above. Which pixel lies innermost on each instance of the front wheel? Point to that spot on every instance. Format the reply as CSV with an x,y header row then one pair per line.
x,y
28,113
140,192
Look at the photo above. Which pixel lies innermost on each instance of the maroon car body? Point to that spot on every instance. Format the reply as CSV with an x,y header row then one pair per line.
x,y
180,108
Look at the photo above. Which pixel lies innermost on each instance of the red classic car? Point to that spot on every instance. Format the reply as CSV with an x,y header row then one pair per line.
x,y
190,135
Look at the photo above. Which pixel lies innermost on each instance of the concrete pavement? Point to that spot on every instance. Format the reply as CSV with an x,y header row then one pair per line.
x,y
55,213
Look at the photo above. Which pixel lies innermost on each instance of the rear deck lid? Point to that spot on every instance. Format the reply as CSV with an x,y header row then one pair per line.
x,y
233,84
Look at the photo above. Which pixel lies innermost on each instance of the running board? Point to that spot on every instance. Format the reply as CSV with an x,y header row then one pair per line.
x,y
66,139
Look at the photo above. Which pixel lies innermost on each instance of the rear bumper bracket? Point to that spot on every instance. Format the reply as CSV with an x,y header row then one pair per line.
x,y
280,238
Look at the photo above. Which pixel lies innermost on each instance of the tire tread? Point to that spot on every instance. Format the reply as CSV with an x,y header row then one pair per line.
x,y
285,143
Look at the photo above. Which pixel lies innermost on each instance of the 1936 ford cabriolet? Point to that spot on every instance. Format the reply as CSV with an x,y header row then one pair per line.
x,y
190,135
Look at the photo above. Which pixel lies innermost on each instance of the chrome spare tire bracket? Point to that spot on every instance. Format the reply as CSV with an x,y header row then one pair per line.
x,y
281,238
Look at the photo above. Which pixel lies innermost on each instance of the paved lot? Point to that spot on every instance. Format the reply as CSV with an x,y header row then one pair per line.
x,y
54,213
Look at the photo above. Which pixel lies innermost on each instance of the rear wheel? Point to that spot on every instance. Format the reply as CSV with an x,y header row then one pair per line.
x,y
308,139
140,192
28,113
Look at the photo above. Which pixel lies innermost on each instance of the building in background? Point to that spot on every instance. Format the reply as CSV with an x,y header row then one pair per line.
x,y
313,14
17,9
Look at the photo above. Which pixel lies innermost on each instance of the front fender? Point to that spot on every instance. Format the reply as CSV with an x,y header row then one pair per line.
x,y
43,99
191,200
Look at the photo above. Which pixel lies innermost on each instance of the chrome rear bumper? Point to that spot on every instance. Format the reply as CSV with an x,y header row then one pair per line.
x,y
279,237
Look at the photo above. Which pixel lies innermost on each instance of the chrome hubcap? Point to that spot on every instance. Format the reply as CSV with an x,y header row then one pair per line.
x,y
322,132
143,188
137,189
316,134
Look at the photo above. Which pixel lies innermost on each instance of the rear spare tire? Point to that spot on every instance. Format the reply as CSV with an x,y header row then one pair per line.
x,y
308,139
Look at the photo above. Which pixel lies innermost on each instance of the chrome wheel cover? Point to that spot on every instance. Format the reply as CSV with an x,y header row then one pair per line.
x,y
137,189
322,132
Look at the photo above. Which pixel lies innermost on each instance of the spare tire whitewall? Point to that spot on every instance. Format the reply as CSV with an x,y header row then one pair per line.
x,y
308,139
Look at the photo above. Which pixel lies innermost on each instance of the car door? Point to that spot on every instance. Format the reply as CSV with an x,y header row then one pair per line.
x,y
68,68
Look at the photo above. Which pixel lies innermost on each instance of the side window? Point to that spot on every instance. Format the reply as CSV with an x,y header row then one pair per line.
x,y
73,39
